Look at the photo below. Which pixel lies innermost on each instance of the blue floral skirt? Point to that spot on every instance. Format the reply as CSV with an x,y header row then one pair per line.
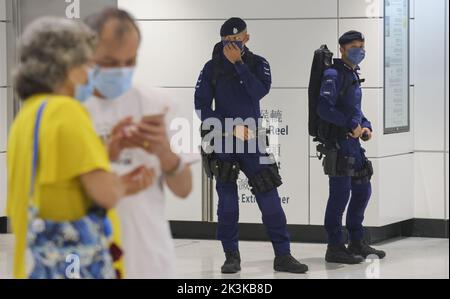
x,y
69,250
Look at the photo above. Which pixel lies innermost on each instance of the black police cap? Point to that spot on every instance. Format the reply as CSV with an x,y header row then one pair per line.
x,y
350,36
233,26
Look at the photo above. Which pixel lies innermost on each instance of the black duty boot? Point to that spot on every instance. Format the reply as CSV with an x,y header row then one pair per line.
x,y
363,249
232,263
339,254
287,263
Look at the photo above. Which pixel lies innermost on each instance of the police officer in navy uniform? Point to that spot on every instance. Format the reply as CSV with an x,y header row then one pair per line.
x,y
237,80
340,105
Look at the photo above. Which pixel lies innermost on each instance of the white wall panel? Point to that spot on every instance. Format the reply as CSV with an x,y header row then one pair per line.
x,y
394,192
319,192
3,120
173,53
360,8
429,186
218,9
3,180
429,75
372,66
3,61
290,53
412,9
2,10
431,108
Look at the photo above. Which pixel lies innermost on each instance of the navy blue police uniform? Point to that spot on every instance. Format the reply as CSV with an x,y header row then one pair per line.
x,y
237,93
345,111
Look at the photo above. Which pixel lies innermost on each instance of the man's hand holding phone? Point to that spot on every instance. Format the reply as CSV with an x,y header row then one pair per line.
x,y
122,137
153,137
152,134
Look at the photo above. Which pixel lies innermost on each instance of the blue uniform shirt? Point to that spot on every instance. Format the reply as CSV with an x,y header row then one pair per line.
x,y
237,95
343,112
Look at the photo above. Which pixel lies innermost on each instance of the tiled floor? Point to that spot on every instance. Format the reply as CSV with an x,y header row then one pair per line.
x,y
407,258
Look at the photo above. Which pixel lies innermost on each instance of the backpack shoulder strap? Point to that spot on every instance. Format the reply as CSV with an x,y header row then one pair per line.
x,y
346,82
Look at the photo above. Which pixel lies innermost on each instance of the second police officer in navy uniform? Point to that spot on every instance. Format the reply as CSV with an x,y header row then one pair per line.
x,y
349,170
236,80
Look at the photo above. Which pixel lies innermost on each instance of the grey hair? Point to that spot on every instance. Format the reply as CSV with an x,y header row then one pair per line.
x,y
49,48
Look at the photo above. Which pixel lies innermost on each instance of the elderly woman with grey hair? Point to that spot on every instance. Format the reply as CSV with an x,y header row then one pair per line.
x,y
60,183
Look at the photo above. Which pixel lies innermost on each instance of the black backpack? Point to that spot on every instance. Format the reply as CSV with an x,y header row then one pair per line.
x,y
323,60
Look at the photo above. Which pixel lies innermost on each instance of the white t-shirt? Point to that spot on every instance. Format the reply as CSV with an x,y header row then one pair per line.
x,y
149,250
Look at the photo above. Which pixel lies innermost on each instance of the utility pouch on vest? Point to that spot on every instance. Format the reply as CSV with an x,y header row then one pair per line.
x,y
334,164
266,180
225,171
364,176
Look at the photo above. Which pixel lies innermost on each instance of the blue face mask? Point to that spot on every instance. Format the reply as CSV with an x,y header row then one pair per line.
x,y
356,55
237,43
113,82
84,92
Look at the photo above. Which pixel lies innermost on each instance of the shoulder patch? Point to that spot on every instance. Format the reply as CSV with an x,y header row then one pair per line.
x,y
331,72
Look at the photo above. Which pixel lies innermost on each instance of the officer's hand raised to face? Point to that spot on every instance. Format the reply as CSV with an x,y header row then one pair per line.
x,y
356,133
232,53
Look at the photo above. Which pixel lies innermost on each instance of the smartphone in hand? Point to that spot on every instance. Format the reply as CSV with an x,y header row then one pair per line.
x,y
153,119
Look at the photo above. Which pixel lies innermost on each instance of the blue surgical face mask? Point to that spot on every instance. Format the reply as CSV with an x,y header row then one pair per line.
x,y
85,91
240,44
356,55
113,82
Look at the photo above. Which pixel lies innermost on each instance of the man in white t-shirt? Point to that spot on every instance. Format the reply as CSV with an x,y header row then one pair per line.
x,y
141,137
